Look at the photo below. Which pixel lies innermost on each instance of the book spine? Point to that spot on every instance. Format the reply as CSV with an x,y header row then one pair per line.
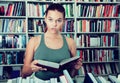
x,y
68,77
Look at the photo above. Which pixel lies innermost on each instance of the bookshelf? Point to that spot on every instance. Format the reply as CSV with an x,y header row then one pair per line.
x,y
96,36
98,42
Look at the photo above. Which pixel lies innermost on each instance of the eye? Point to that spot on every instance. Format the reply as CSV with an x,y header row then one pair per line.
x,y
59,20
50,19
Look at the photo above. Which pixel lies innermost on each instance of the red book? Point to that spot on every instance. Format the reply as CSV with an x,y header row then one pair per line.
x,y
83,25
110,10
105,11
2,10
109,25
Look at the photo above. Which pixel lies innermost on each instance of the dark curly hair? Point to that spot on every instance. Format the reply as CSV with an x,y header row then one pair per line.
x,y
56,6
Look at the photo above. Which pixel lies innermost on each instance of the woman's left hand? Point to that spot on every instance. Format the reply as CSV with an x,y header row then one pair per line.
x,y
78,64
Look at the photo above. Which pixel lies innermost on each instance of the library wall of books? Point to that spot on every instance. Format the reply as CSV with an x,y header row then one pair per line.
x,y
93,24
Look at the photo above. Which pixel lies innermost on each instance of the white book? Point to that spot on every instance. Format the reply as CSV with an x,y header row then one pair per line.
x,y
118,77
14,80
94,41
63,79
9,81
52,80
24,80
55,80
68,77
1,69
113,79
19,79
28,79
103,80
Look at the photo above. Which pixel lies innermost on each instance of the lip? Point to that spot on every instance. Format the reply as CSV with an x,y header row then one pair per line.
x,y
53,28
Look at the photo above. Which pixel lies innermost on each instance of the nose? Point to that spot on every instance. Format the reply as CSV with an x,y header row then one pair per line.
x,y
55,23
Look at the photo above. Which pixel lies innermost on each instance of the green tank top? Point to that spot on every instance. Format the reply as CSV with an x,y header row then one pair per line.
x,y
54,55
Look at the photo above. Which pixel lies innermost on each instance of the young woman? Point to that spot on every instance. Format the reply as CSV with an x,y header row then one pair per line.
x,y
50,46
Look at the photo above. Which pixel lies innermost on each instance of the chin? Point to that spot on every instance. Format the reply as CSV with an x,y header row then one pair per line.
x,y
54,32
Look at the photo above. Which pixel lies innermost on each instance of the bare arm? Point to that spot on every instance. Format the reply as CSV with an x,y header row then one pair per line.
x,y
72,47
29,64
28,57
77,65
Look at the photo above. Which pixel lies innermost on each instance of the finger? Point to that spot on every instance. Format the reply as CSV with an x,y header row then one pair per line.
x,y
35,62
41,69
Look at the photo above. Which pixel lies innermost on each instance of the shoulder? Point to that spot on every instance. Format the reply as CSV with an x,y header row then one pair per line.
x,y
34,42
70,41
34,39
72,45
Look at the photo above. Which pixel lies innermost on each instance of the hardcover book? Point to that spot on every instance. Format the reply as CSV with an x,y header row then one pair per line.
x,y
89,77
52,66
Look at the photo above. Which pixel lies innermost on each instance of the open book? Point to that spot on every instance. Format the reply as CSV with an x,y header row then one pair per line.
x,y
52,66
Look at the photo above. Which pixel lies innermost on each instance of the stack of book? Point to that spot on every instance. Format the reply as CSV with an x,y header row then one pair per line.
x,y
65,78
91,78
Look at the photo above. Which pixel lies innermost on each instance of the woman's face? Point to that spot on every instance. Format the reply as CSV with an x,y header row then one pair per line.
x,y
54,21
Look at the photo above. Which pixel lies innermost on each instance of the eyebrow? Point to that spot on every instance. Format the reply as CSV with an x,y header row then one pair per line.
x,y
57,19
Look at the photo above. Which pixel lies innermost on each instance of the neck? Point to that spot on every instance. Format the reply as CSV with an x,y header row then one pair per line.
x,y
52,35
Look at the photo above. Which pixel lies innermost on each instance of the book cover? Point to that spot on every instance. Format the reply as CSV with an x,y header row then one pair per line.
x,y
89,77
63,79
67,76
52,66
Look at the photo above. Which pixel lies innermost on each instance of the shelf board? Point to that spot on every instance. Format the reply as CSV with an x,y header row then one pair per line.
x,y
39,33
86,3
99,18
98,33
104,75
12,33
36,1
37,17
11,65
98,62
12,49
99,47
35,33
12,17
12,1
62,2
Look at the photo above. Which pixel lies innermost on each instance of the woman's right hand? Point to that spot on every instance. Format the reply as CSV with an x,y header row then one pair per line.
x,y
36,68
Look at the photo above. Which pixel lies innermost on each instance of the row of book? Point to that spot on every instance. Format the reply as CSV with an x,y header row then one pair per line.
x,y
13,9
9,72
11,57
39,26
97,40
39,9
98,10
36,25
12,25
65,78
99,68
18,25
91,78
99,55
12,41
98,25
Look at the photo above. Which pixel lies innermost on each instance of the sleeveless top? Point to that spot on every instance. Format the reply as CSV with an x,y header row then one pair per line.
x,y
49,54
